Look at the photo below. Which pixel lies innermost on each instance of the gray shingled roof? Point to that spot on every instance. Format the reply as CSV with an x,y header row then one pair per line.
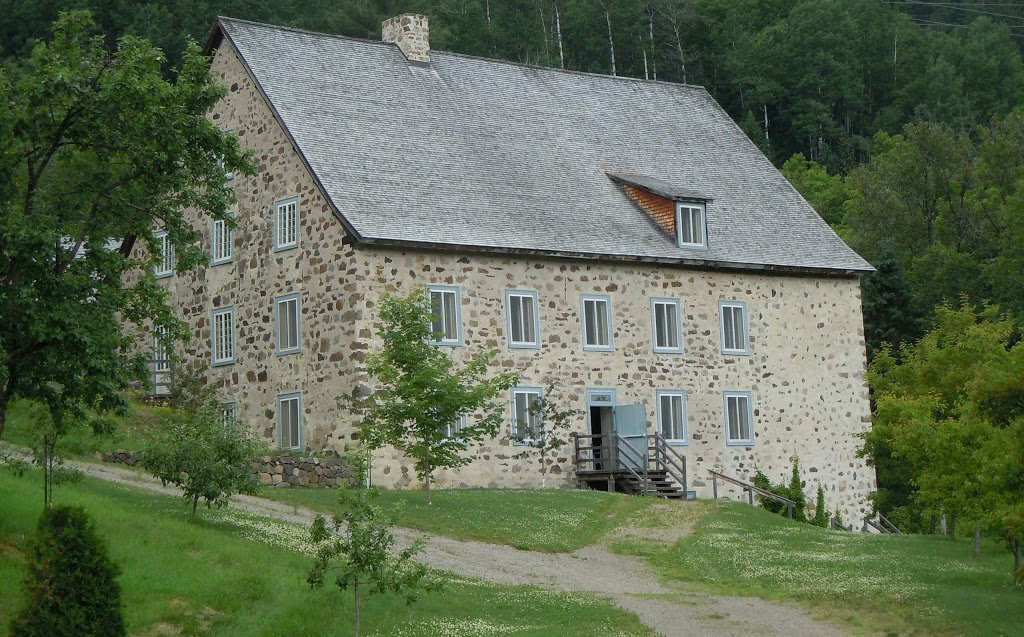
x,y
494,155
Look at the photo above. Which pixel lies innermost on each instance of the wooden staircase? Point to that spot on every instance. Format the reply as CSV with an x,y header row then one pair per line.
x,y
612,463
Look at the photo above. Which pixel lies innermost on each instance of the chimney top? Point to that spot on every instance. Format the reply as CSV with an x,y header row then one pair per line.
x,y
412,35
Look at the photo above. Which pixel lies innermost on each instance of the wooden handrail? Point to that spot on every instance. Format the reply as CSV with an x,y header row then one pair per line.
x,y
889,525
662,459
751,490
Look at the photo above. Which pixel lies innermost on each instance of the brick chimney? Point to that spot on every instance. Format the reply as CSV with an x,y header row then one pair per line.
x,y
411,33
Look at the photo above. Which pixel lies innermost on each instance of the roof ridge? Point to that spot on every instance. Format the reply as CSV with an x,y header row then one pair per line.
x,y
338,36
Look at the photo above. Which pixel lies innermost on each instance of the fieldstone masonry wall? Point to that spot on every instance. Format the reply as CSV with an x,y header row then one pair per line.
x,y
411,32
806,341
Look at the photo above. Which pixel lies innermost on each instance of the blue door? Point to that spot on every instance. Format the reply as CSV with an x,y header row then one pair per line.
x,y
630,422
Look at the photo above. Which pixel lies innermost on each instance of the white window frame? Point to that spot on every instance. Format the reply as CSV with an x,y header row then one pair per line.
x,y
280,303
597,299
691,216
739,398
456,426
516,319
676,325
283,399
450,335
229,414
682,425
731,307
162,350
222,242
164,266
286,224
535,419
222,343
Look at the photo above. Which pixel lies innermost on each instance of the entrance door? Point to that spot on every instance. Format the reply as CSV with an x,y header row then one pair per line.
x,y
600,403
630,422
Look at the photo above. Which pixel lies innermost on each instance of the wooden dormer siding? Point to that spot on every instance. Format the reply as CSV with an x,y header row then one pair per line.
x,y
661,209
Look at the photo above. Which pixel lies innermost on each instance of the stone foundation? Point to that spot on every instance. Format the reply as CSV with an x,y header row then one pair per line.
x,y
278,471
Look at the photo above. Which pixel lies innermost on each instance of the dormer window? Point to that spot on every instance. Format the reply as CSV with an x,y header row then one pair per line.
x,y
690,225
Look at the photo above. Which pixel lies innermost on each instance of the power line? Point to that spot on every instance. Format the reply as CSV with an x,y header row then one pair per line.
x,y
954,7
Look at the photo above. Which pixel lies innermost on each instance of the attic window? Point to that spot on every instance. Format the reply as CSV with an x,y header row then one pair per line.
x,y
690,225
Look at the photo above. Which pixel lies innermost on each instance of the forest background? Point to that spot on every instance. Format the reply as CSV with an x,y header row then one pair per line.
x,y
901,122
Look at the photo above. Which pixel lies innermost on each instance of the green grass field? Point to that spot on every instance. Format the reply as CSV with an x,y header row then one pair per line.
x,y
550,520
235,574
892,585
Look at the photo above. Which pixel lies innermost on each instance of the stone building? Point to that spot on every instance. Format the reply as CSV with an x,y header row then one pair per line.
x,y
621,237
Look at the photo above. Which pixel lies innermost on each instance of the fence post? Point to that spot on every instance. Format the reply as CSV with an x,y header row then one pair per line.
x,y
789,511
750,496
714,486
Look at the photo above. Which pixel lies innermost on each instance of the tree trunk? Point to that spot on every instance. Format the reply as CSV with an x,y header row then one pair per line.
x,y
977,539
643,48
4,400
650,33
611,42
487,11
547,32
942,522
355,596
558,34
1018,572
426,481
679,50
195,503
765,107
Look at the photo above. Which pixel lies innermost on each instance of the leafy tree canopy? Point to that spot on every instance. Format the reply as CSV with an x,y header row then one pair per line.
x,y
97,149
423,395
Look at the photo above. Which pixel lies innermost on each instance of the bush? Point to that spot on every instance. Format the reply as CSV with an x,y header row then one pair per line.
x,y
792,491
72,590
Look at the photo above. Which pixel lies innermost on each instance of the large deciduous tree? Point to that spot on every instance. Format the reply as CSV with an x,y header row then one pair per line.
x,y
97,150
949,417
423,395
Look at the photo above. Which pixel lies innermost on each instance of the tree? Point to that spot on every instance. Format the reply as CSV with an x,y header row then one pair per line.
x,y
71,586
553,424
359,545
951,412
206,457
423,397
98,151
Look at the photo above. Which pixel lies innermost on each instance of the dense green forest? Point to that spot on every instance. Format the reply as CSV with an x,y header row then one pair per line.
x,y
902,122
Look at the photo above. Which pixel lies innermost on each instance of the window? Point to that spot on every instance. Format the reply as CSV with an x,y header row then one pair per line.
x,y
289,420
229,414
165,259
286,224
446,327
455,426
597,320
287,311
523,321
672,416
228,175
525,413
161,349
223,345
667,324
739,418
222,242
690,225
733,317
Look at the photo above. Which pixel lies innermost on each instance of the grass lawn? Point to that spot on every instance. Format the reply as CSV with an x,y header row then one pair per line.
x,y
235,574
892,585
549,520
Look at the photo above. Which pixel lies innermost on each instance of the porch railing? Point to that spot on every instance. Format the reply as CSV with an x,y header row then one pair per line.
x,y
608,454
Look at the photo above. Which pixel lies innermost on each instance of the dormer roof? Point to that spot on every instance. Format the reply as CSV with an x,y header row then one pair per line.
x,y
488,155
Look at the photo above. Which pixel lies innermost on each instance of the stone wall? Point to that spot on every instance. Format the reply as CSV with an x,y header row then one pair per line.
x,y
278,471
806,342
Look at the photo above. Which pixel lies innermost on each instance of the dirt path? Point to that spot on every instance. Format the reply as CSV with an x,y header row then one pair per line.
x,y
624,581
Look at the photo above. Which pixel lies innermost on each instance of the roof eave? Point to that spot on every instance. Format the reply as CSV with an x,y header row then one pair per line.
x,y
704,264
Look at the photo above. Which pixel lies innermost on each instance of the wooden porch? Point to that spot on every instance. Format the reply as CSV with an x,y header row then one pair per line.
x,y
641,465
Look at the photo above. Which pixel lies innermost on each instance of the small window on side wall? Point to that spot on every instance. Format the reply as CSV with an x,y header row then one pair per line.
x,y
222,242
455,427
739,419
286,224
287,311
229,415
733,319
289,420
223,337
691,225
446,315
164,265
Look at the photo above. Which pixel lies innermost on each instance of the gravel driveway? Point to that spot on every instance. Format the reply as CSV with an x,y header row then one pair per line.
x,y
624,581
